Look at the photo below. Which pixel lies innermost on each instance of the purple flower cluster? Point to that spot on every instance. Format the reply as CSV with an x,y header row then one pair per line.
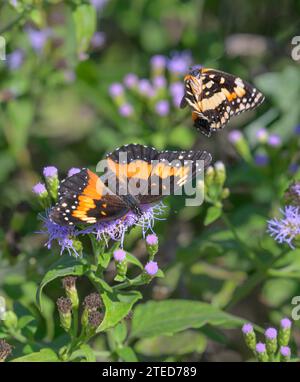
x,y
161,91
38,38
286,229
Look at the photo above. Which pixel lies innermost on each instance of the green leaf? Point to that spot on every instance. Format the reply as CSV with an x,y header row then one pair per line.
x,y
84,17
178,344
120,333
213,213
133,260
84,351
44,355
63,267
127,354
117,306
167,317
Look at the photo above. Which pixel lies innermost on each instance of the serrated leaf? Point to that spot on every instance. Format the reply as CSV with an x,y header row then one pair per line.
x,y
44,355
213,213
63,267
167,317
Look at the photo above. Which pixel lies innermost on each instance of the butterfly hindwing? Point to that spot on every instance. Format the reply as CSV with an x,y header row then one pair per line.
x,y
83,198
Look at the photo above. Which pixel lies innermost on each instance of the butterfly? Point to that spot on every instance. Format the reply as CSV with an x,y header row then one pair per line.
x,y
216,96
135,175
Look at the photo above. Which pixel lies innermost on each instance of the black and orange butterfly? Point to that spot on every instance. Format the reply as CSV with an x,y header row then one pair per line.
x,y
216,96
87,198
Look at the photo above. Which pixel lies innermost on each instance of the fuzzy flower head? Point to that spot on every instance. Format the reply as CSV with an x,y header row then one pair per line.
x,y
119,255
73,171
286,229
152,239
177,92
271,333
15,59
126,110
262,135
235,136
261,160
151,268
285,323
38,38
285,351
116,89
247,328
130,80
49,171
158,61
260,347
179,63
162,108
274,140
39,189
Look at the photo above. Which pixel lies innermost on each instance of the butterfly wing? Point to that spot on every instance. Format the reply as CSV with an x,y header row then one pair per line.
x,y
222,96
151,174
83,198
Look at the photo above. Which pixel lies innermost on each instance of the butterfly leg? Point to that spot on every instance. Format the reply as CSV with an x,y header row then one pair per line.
x,y
201,124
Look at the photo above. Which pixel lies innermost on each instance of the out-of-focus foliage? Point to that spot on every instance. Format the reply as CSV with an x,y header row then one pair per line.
x,y
57,108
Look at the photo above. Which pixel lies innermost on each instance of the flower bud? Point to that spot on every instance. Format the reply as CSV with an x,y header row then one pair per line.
x,y
261,353
262,135
285,353
209,176
240,144
91,303
249,336
121,264
64,306
152,245
5,350
42,195
284,332
69,284
151,268
2,307
271,341
220,173
225,193
10,319
94,320
52,182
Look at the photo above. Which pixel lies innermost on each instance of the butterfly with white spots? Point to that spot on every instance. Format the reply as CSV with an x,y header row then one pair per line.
x,y
216,96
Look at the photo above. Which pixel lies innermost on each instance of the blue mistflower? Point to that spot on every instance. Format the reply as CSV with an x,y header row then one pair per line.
x,y
286,229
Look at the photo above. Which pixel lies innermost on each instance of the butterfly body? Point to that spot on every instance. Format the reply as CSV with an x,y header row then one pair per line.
x,y
215,96
134,177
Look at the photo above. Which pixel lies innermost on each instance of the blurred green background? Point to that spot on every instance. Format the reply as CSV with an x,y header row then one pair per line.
x,y
56,109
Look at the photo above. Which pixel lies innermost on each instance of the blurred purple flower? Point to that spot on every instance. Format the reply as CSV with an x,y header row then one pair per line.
x,y
116,89
98,40
151,268
126,110
73,171
177,92
260,347
261,160
162,108
293,168
274,140
98,4
297,130
15,59
151,239
119,255
285,323
130,80
179,63
146,88
286,228
262,135
285,351
234,136
159,82
271,333
49,171
38,38
39,189
247,328
158,61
